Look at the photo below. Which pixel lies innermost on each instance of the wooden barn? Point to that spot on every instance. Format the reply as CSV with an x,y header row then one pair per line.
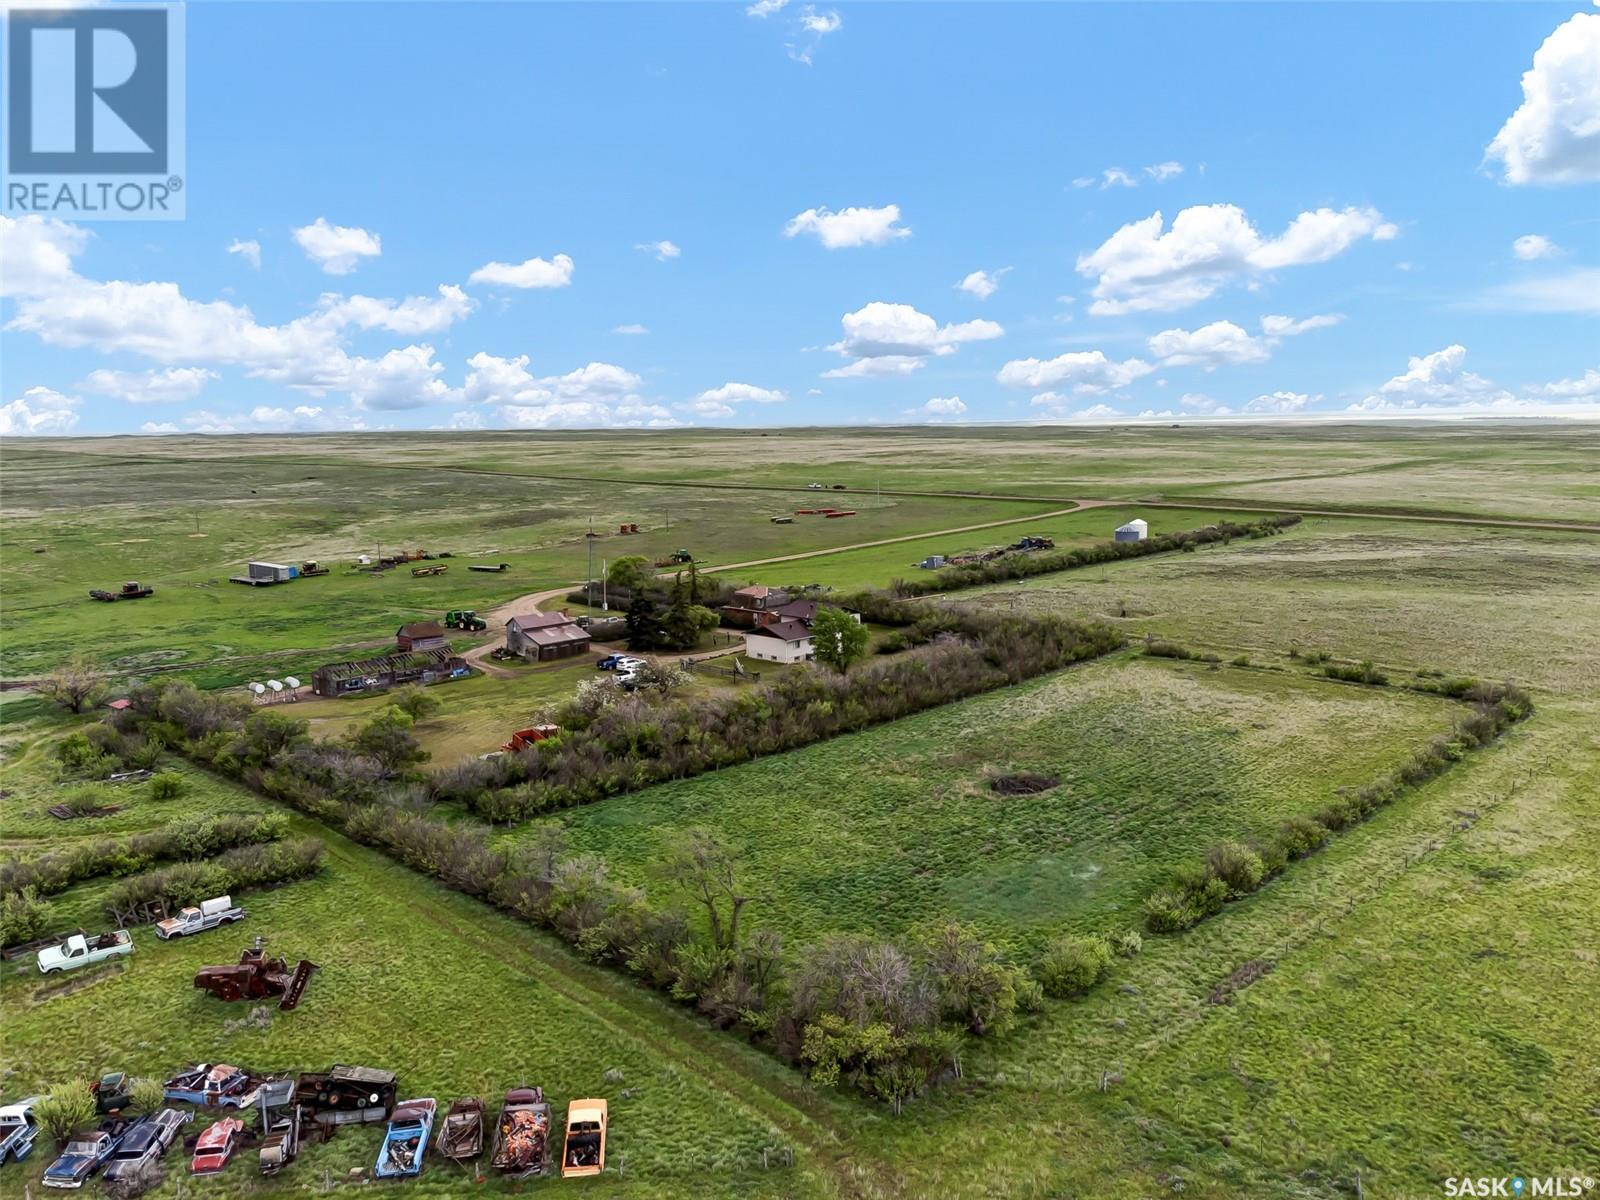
x,y
419,635
543,637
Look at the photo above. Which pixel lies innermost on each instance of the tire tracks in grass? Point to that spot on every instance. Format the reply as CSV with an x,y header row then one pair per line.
x,y
663,1032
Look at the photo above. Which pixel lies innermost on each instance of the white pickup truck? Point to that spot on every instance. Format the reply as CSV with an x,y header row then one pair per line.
x,y
220,910
80,951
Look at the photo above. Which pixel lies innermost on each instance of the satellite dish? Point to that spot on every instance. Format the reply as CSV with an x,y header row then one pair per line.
x,y
257,688
290,681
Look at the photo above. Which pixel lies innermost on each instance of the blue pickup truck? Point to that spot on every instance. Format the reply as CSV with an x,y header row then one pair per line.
x,y
18,1130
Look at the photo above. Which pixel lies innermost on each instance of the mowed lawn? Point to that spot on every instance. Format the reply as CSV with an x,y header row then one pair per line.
x,y
879,830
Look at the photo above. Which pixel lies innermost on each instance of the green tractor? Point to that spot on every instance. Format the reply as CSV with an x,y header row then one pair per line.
x,y
465,618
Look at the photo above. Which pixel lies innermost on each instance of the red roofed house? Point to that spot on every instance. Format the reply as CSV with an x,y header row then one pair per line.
x,y
782,641
546,636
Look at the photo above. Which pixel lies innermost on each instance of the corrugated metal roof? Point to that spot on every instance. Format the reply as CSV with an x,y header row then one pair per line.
x,y
539,620
556,635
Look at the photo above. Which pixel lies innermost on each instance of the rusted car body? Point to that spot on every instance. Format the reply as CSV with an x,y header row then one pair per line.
x,y
461,1132
522,1134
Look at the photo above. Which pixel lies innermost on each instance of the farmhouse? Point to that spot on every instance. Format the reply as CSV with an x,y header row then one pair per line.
x,y
784,641
753,605
351,678
419,635
543,637
1135,530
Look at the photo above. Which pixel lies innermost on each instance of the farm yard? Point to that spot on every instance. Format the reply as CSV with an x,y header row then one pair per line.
x,y
1413,1000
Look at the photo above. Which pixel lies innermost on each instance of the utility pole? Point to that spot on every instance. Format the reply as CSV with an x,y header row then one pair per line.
x,y
605,592
588,587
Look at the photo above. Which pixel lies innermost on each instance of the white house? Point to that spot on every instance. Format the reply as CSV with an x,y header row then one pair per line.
x,y
780,642
1134,531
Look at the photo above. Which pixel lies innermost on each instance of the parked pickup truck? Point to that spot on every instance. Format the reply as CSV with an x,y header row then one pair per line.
x,y
80,951
218,911
18,1129
219,1086
85,1154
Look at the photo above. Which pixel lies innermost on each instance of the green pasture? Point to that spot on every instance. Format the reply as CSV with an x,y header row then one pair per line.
x,y
881,829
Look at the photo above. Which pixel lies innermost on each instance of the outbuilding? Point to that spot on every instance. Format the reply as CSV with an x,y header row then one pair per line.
x,y
352,678
544,637
785,641
419,635
1135,530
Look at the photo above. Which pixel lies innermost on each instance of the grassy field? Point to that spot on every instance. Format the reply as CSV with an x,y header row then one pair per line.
x,y
881,829
73,522
1521,470
850,570
1428,1004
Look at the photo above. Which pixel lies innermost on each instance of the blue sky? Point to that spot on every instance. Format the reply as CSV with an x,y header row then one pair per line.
x,y
541,216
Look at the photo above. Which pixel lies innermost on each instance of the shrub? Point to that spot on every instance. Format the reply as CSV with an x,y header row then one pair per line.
x,y
168,785
1237,865
79,756
1299,836
1127,943
1072,965
1362,672
1160,649
65,1108
24,917
145,1095
236,870
416,702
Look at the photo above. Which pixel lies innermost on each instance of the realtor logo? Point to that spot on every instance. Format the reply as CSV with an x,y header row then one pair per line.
x,y
93,125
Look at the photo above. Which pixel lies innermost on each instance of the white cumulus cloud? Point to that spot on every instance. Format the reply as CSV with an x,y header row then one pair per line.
x,y
1440,378
337,249
1554,137
1281,327
1145,266
530,273
1282,402
944,406
1086,372
1221,343
849,227
880,330
409,317
173,385
874,368
598,395
663,250
250,251
982,284
1531,246
157,321
39,410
